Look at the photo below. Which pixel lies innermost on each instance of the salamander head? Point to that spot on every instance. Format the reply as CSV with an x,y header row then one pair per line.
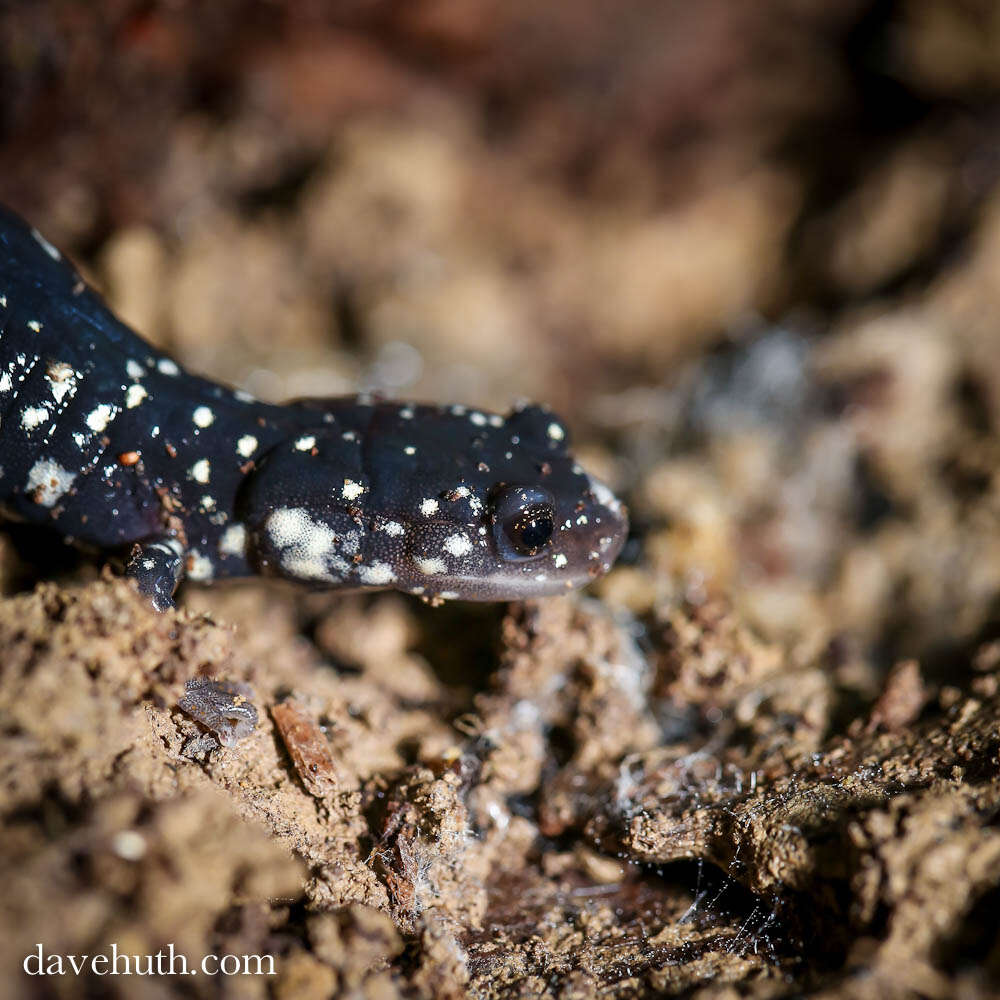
x,y
479,507
449,503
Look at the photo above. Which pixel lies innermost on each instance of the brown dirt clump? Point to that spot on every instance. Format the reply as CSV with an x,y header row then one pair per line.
x,y
538,853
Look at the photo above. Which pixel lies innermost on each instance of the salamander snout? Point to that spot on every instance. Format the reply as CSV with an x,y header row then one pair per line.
x,y
552,544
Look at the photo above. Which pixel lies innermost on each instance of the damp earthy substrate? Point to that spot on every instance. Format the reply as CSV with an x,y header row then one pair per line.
x,y
530,830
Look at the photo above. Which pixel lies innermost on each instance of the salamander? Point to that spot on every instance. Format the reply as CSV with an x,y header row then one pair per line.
x,y
115,446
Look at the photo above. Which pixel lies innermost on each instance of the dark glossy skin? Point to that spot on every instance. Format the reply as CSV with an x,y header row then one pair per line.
x,y
117,448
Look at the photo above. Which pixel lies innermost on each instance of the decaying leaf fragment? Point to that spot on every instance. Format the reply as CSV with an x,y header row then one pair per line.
x,y
307,746
225,707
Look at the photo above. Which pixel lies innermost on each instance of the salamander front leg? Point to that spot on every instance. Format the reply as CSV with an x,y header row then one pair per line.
x,y
157,567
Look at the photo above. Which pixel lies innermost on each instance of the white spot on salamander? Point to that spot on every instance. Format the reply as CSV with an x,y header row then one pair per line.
x,y
201,471
203,417
307,547
62,380
46,245
287,525
246,445
429,507
167,367
33,416
48,481
556,431
559,560
306,443
457,545
430,566
377,575
233,541
199,567
410,450
349,542
99,417
33,324
351,490
59,390
133,369
393,529
134,395
464,493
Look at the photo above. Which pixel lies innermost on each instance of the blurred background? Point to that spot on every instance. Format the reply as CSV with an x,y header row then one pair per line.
x,y
750,251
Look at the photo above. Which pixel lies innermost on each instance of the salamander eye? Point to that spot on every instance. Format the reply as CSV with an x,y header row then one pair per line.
x,y
531,530
523,521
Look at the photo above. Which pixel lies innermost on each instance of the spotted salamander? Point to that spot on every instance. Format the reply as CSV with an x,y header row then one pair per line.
x,y
115,446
